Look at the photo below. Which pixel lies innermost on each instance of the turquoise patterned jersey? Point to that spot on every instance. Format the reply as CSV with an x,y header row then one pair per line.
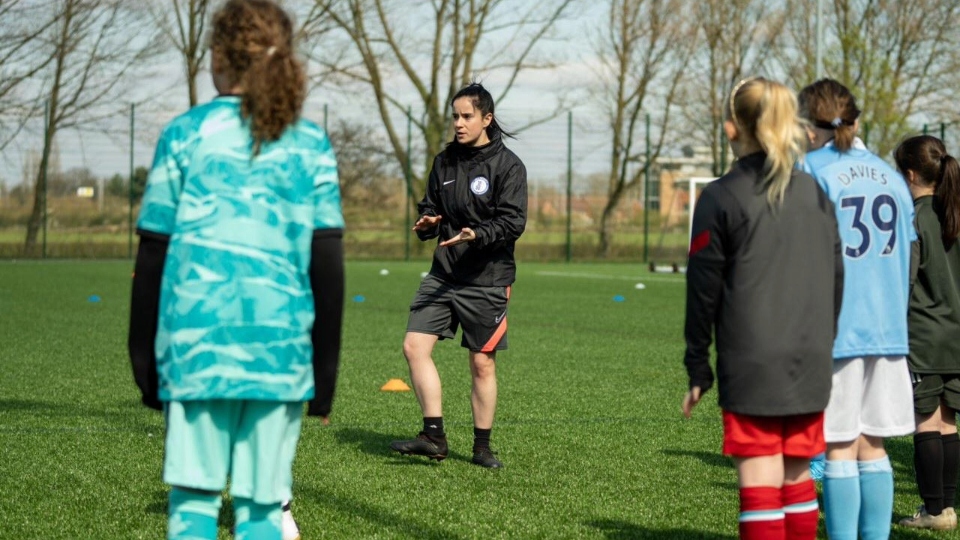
x,y
236,307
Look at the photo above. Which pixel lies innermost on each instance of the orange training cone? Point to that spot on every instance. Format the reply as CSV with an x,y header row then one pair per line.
x,y
395,385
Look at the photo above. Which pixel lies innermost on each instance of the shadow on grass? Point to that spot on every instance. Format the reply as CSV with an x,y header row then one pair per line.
x,y
378,444
57,408
159,503
399,524
125,415
23,405
708,458
615,529
900,450
368,442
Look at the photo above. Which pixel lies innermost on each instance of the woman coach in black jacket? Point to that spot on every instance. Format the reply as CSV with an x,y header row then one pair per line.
x,y
476,203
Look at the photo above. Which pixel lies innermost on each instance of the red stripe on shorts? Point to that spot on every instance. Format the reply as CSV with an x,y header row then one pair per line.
x,y
491,344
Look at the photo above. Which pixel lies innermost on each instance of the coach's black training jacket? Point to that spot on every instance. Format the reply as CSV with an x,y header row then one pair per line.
x,y
769,282
485,189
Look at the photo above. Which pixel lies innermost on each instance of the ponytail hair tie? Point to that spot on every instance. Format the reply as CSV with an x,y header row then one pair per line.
x,y
831,125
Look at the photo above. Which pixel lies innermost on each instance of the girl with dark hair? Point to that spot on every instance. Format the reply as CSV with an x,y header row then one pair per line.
x,y
476,205
765,276
933,177
871,394
238,289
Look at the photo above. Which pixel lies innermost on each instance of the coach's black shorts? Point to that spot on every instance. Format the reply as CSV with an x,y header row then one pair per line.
x,y
930,389
440,307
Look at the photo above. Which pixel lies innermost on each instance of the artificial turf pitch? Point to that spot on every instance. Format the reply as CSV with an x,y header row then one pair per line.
x,y
588,421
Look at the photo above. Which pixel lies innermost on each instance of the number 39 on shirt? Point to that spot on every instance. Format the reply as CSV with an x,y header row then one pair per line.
x,y
875,221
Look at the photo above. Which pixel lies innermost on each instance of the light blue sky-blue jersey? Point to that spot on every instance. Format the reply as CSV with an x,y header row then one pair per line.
x,y
875,216
236,305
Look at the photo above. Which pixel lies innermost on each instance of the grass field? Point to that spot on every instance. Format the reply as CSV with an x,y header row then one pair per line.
x,y
373,243
588,424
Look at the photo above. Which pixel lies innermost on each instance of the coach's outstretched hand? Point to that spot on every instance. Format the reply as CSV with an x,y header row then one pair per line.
x,y
466,235
690,401
425,223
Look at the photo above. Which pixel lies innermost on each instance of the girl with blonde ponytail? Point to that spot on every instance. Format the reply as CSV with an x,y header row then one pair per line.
x,y
765,112
765,276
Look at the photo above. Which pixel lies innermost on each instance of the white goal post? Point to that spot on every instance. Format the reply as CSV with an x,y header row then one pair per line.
x,y
693,183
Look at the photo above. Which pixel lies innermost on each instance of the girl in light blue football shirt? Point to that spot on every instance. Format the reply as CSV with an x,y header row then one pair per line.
x,y
871,398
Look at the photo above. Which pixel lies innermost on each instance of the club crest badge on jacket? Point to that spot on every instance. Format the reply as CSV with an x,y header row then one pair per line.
x,y
479,185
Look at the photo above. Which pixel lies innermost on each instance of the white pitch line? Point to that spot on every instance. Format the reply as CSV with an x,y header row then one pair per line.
x,y
678,279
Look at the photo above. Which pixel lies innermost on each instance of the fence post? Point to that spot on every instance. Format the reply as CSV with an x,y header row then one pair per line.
x,y
646,192
130,188
569,186
44,165
407,174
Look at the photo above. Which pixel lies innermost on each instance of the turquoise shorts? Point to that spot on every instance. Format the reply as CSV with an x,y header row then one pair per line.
x,y
252,442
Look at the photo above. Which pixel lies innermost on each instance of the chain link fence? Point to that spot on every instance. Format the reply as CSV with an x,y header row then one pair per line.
x,y
95,179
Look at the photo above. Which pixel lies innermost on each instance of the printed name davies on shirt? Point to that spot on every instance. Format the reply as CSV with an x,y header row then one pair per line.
x,y
862,172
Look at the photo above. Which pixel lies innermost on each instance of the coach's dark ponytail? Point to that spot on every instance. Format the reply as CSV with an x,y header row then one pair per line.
x,y
927,157
255,38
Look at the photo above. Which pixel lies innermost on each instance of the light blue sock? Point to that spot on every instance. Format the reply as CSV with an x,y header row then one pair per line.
x,y
876,498
193,515
257,521
841,499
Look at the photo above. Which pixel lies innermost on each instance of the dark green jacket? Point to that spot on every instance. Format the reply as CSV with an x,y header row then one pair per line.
x,y
934,314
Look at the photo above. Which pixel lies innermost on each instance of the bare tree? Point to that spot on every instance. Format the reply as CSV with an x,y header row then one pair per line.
x,y
95,47
642,58
368,173
897,56
737,39
893,52
183,27
444,45
24,23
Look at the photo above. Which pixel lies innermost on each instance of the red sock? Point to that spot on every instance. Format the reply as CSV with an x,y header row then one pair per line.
x,y
761,513
800,510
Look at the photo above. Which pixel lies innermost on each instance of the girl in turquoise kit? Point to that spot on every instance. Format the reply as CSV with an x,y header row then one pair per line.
x,y
241,234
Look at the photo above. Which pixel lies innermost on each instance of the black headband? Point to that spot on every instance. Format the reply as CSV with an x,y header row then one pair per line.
x,y
833,124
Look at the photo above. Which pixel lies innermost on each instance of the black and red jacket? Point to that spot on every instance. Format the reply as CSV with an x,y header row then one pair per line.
x,y
766,283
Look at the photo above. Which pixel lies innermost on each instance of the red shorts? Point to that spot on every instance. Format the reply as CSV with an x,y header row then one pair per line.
x,y
799,436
